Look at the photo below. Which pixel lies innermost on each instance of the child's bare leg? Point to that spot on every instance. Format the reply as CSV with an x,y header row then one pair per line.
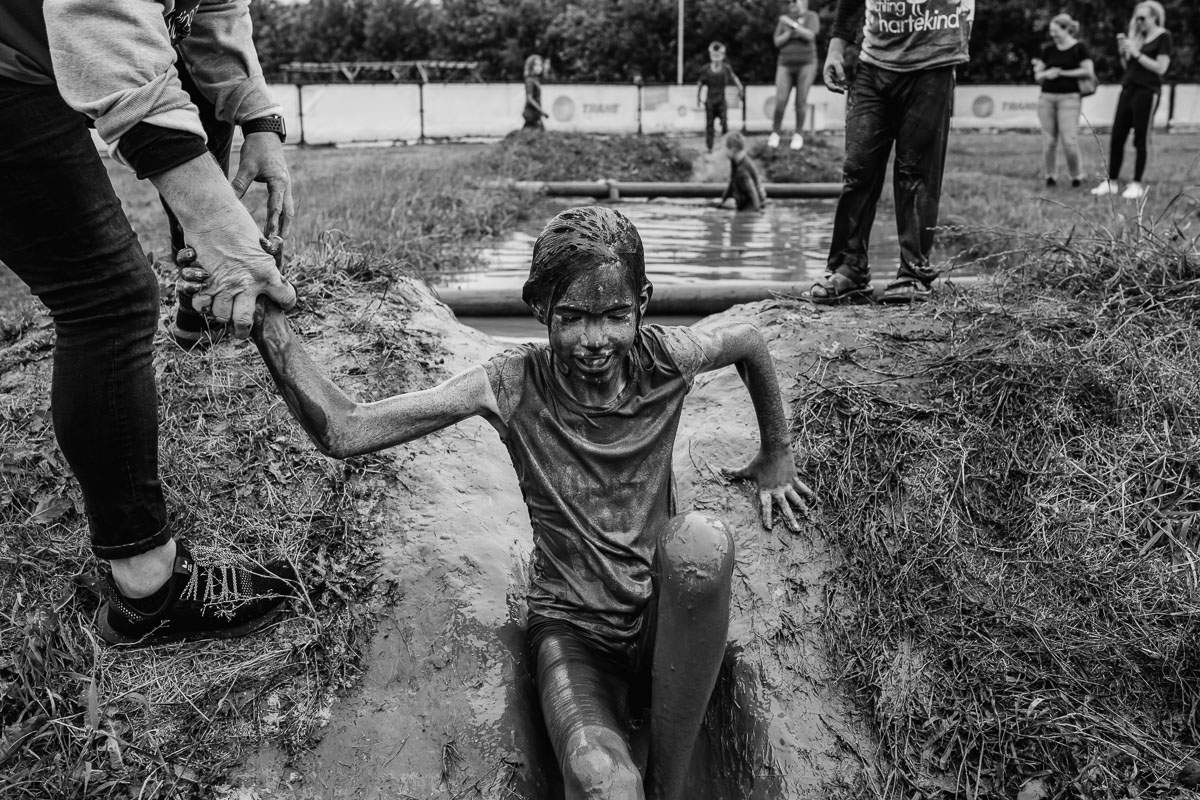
x,y
585,708
695,569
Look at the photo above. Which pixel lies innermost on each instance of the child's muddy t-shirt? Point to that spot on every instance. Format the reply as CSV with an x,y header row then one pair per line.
x,y
597,480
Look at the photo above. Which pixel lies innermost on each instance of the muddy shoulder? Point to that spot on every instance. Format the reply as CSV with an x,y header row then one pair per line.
x,y
446,705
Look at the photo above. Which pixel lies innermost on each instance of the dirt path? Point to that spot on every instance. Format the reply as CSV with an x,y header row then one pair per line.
x,y
445,709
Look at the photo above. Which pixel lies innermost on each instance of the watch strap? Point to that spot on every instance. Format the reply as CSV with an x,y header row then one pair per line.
x,y
272,123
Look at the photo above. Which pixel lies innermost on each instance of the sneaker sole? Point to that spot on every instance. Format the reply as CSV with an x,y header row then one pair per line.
x,y
114,637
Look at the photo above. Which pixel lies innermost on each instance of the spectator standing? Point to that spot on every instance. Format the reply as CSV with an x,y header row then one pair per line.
x,y
533,114
65,64
796,37
902,95
710,90
1146,55
1064,62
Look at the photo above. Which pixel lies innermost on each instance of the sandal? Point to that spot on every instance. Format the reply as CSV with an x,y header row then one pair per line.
x,y
837,289
905,291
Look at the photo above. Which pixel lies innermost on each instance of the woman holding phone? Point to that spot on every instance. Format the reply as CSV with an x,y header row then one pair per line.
x,y
1146,54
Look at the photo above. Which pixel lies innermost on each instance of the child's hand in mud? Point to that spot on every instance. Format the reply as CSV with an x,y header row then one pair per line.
x,y
778,484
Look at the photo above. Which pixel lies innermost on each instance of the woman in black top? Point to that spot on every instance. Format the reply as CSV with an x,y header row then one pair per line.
x,y
1146,54
1064,61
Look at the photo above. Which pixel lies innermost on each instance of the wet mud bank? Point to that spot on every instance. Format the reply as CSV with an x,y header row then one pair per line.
x,y
446,707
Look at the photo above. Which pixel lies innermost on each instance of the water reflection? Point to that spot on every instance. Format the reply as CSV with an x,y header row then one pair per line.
x,y
690,240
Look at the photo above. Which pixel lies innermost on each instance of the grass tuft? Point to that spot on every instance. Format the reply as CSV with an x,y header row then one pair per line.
x,y
1022,562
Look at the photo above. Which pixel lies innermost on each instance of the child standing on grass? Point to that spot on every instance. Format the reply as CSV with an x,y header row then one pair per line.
x,y
745,185
625,592
533,114
710,90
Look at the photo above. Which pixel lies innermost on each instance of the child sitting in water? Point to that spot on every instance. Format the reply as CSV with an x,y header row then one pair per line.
x,y
745,186
623,589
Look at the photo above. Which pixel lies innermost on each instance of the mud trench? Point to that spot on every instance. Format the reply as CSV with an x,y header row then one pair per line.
x,y
447,707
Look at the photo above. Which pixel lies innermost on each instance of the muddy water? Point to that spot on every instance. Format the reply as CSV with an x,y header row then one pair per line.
x,y
690,240
686,241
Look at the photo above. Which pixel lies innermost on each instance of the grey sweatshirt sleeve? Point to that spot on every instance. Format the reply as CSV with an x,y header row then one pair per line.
x,y
113,61
221,58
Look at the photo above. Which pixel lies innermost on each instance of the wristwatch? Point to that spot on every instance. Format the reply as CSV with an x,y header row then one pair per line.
x,y
272,123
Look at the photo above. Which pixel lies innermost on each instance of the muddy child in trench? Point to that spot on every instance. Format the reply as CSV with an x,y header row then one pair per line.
x,y
745,186
627,597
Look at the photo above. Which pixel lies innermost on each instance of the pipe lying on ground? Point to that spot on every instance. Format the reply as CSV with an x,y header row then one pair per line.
x,y
697,298
615,190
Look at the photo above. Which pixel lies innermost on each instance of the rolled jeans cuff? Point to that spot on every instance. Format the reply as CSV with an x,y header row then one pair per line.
x,y
135,548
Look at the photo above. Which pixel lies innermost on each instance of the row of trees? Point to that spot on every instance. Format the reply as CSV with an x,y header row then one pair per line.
x,y
623,40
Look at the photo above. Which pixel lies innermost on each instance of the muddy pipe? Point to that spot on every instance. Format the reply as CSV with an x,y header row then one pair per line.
x,y
615,190
698,298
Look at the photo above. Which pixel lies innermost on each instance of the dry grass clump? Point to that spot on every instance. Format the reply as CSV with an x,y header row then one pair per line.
x,y
82,719
557,156
819,162
1022,559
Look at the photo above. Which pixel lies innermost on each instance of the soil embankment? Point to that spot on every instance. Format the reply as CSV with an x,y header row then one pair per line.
x,y
445,705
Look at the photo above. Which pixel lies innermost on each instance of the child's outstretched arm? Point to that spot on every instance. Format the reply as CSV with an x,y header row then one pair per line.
x,y
342,427
773,469
737,82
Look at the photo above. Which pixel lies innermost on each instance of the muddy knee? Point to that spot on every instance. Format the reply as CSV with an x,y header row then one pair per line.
x,y
696,552
597,765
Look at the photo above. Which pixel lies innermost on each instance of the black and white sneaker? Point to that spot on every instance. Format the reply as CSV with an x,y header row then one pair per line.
x,y
220,599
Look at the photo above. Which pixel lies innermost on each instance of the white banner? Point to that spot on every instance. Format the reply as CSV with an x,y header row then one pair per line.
x,y
590,108
473,109
673,109
826,110
1187,105
366,113
375,112
1016,107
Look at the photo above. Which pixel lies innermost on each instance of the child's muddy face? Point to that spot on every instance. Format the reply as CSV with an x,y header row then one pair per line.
x,y
592,329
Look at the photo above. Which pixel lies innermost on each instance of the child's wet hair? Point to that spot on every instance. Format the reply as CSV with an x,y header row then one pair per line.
x,y
735,141
575,242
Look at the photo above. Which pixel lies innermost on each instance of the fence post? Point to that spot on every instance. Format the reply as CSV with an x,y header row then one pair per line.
x,y
300,111
421,102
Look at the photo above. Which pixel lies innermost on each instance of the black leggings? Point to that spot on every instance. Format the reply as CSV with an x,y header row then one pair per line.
x,y
1135,110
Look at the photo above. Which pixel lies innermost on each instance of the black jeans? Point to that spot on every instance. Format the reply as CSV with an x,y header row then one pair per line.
x,y
715,110
1135,111
62,231
911,110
